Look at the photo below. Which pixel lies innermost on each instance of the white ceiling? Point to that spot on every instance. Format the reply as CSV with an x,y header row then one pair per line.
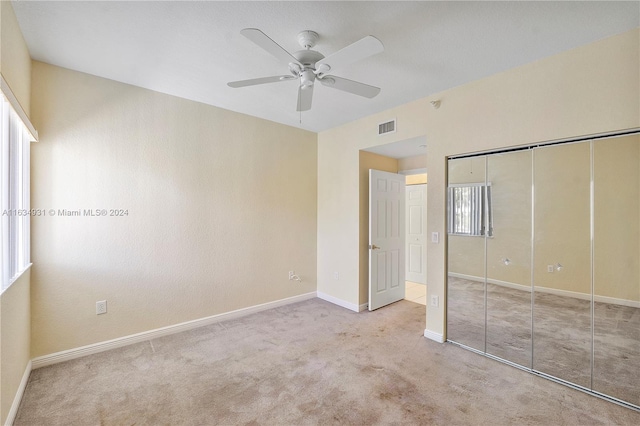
x,y
192,49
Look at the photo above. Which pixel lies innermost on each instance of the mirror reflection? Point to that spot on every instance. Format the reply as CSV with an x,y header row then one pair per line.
x,y
616,177
562,290
544,261
509,257
466,271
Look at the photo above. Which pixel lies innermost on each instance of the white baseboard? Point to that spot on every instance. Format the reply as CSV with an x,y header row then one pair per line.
x,y
94,348
351,306
491,281
614,301
434,336
557,292
13,411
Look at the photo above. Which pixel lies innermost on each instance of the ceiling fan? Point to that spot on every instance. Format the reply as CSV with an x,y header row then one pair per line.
x,y
308,65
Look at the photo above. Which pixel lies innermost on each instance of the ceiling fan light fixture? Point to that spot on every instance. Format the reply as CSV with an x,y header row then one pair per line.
x,y
322,69
307,77
295,69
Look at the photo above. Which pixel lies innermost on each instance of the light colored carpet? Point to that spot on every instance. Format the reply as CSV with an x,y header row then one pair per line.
x,y
304,364
561,335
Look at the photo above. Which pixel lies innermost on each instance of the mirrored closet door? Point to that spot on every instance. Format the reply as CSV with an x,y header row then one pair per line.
x,y
544,261
616,268
509,257
562,266
466,261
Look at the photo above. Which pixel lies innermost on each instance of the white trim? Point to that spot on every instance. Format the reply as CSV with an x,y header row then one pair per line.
x,y
16,278
492,281
351,306
94,348
614,301
548,290
586,296
13,101
433,336
13,411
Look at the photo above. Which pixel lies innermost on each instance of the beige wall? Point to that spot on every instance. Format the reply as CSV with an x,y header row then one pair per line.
x,y
616,228
562,218
412,163
220,207
588,90
418,179
339,195
368,161
15,337
15,61
466,254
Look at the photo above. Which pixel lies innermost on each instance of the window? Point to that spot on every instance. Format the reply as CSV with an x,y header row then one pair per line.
x,y
469,209
14,200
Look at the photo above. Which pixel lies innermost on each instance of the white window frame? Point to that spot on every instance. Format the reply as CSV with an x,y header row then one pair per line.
x,y
473,216
15,220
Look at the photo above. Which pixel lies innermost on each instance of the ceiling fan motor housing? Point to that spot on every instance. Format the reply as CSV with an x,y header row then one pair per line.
x,y
308,59
308,39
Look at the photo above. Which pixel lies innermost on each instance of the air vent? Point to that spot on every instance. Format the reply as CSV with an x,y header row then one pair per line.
x,y
387,127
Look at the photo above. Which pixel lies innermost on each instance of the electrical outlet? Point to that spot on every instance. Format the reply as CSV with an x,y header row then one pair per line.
x,y
550,268
434,300
101,307
336,276
291,275
435,237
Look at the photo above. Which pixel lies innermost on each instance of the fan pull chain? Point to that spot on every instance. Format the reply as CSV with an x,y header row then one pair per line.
x,y
299,103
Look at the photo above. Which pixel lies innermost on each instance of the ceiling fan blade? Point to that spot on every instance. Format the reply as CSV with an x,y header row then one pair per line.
x,y
263,80
305,95
361,49
262,40
350,86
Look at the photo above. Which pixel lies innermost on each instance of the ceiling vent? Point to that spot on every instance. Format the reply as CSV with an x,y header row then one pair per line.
x,y
387,127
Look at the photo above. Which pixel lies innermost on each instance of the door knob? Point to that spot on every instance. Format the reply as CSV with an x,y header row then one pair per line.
x,y
373,247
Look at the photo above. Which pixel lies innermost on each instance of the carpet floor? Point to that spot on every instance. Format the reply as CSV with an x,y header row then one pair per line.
x,y
560,342
307,363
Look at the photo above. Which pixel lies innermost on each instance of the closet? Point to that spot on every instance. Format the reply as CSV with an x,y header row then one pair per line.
x,y
544,261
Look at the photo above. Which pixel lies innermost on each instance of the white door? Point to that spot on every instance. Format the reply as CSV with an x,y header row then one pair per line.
x,y
386,238
416,238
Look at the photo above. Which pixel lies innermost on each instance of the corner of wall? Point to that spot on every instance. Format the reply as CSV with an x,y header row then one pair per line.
x,y
15,59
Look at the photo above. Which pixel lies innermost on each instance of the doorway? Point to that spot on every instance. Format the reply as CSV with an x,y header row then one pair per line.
x,y
416,238
408,158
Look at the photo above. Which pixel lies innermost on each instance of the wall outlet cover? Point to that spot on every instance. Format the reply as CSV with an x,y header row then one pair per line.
x,y
101,307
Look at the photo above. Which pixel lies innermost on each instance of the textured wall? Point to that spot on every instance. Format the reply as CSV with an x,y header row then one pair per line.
x,y
15,61
15,337
339,217
220,207
584,91
616,213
